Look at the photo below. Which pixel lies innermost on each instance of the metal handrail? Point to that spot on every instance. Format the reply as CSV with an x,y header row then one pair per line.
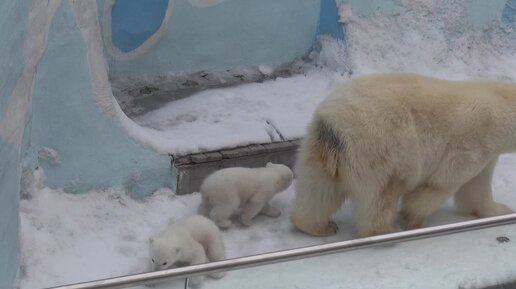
x,y
290,255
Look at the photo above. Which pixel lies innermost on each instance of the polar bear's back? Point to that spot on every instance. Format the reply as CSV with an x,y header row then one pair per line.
x,y
405,124
194,225
237,180
199,228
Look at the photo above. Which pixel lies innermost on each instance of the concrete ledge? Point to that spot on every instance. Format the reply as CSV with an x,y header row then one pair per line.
x,y
192,169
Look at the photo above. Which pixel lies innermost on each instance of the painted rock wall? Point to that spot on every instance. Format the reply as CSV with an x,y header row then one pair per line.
x,y
192,35
17,66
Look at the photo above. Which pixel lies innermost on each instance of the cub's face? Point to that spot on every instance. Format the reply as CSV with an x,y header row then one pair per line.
x,y
163,254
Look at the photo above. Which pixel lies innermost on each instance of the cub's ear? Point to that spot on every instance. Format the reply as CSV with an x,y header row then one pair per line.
x,y
269,164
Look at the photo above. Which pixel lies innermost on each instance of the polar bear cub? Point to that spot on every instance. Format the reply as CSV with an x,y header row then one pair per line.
x,y
250,189
381,138
191,241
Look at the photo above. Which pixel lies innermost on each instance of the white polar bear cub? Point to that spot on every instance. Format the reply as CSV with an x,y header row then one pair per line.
x,y
226,190
384,137
194,240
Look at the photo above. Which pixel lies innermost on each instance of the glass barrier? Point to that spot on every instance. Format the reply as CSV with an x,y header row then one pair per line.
x,y
475,258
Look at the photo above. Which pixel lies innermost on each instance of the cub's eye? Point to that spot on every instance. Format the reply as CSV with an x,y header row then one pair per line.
x,y
152,260
164,264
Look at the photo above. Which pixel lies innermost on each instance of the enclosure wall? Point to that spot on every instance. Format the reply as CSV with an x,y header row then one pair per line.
x,y
11,131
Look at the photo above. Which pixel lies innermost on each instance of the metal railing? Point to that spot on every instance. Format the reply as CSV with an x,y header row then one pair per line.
x,y
290,255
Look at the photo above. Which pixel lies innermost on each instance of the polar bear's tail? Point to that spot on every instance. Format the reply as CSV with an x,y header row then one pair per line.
x,y
326,147
317,180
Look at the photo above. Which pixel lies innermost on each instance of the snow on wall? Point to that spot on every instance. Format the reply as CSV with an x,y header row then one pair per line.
x,y
453,39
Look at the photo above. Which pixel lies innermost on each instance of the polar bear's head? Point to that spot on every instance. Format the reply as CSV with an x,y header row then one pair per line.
x,y
283,176
164,253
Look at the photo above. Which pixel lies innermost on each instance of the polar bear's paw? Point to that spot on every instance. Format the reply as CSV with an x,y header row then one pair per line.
x,y
330,229
494,209
378,231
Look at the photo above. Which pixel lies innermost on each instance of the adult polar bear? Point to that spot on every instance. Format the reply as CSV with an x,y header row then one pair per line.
x,y
382,137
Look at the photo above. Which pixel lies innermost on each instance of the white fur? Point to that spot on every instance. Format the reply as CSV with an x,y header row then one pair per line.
x,y
226,190
385,137
194,240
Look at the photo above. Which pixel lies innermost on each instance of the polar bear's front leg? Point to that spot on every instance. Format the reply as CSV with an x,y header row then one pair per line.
x,y
475,196
421,202
198,257
250,210
223,209
270,211
375,209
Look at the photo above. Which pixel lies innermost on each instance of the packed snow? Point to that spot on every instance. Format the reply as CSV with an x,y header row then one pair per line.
x,y
72,238
246,114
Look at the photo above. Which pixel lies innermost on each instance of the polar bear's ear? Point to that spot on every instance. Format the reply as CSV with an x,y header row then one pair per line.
x,y
268,165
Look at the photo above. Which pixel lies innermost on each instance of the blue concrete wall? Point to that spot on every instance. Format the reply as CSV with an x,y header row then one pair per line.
x,y
11,67
329,20
134,21
231,34
95,151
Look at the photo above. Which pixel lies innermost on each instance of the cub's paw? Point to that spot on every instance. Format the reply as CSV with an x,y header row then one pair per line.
x,y
225,224
195,282
218,275
271,212
247,222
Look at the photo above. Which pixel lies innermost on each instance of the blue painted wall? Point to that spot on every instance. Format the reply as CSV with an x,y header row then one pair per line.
x,y
329,20
94,149
134,21
509,13
11,66
231,34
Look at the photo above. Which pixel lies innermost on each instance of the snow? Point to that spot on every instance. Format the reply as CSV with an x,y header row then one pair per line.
x,y
240,115
72,238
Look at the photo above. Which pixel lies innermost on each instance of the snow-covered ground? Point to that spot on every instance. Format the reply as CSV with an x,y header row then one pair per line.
x,y
241,115
72,238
